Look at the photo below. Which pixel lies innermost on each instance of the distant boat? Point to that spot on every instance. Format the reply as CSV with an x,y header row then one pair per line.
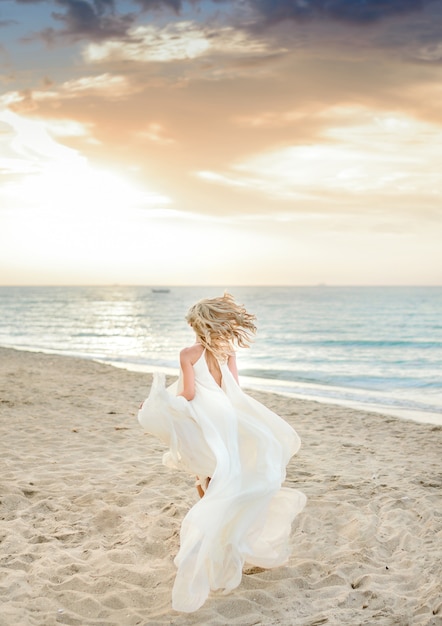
x,y
159,290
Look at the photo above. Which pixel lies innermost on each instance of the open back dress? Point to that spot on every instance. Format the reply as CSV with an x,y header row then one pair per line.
x,y
245,515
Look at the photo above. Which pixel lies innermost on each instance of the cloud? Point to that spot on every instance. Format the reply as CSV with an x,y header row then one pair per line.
x,y
81,19
431,53
38,171
150,43
356,11
103,86
6,23
67,128
147,5
284,23
27,147
155,133
97,20
382,156
270,119
177,41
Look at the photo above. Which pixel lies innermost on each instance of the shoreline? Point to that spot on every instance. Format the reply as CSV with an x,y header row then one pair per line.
x,y
91,518
273,386
267,385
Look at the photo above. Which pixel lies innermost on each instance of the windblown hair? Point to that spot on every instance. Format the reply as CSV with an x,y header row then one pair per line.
x,y
221,324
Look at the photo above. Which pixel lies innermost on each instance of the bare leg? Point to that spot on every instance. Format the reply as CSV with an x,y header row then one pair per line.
x,y
201,485
199,488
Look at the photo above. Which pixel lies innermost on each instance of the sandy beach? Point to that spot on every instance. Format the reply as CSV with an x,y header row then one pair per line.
x,y
90,519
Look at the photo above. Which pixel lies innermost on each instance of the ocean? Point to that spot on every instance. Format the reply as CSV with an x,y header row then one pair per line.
x,y
376,348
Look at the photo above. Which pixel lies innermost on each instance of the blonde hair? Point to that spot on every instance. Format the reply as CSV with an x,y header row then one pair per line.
x,y
220,324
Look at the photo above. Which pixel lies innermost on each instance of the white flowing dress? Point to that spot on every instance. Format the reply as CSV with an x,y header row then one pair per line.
x,y
245,516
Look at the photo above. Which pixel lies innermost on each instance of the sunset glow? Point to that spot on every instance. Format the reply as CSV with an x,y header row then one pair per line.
x,y
220,144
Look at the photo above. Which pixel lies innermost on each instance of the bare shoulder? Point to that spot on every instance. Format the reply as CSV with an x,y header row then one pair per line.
x,y
191,354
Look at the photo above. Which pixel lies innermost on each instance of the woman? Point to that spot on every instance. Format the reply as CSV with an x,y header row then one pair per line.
x,y
238,449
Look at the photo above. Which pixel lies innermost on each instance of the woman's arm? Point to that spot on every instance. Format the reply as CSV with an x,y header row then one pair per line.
x,y
186,363
231,362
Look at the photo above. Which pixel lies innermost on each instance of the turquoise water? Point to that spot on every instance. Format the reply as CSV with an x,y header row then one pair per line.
x,y
376,347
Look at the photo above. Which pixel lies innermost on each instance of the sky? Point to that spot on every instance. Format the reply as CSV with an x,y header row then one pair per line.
x,y
246,142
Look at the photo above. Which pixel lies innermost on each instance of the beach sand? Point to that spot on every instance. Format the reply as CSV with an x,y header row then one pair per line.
x,y
90,519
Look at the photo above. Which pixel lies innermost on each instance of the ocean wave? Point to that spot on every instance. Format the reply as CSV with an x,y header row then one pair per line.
x,y
382,345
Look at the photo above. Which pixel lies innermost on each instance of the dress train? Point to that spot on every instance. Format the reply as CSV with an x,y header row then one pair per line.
x,y
245,515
